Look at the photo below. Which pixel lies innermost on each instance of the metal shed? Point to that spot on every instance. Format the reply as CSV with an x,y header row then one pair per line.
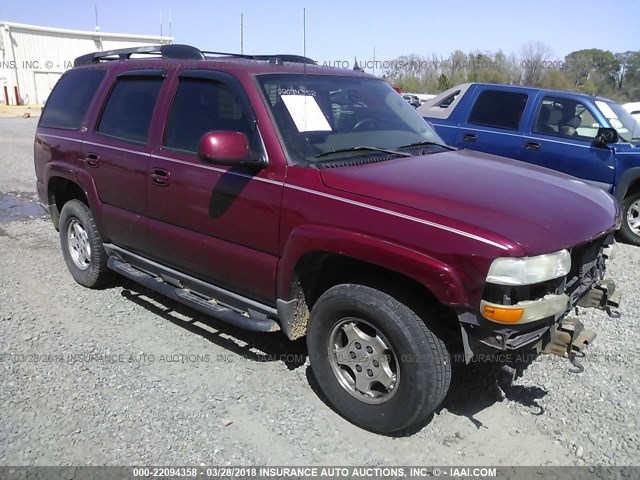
x,y
32,58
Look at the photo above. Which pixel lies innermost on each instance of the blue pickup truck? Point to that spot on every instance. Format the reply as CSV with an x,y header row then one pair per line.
x,y
589,137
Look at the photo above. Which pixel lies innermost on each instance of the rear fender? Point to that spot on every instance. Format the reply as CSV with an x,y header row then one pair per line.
x,y
86,184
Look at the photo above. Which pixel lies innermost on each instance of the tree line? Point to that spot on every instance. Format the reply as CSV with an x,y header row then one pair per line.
x,y
592,71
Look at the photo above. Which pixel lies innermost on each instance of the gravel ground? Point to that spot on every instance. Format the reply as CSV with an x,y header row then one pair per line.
x,y
124,376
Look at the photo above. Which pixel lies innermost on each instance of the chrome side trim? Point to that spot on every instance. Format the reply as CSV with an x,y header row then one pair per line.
x,y
399,215
216,169
61,137
120,149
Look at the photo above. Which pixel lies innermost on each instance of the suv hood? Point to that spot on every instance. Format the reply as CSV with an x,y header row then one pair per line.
x,y
540,209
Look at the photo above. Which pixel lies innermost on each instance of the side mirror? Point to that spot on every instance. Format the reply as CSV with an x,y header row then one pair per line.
x,y
227,148
606,135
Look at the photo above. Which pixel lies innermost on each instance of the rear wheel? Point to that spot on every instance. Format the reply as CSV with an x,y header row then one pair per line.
x,y
375,360
630,228
81,245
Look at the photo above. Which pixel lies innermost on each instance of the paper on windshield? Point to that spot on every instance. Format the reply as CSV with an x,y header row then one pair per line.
x,y
306,113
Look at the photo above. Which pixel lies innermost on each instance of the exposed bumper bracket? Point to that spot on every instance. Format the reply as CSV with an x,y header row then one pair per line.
x,y
603,296
568,339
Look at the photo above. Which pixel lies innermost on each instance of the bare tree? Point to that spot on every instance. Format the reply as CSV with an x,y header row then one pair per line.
x,y
534,55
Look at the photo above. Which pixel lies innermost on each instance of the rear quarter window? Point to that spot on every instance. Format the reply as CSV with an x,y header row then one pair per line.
x,y
499,109
69,101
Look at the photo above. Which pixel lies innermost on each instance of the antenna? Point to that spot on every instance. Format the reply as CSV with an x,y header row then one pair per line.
x,y
374,61
95,11
160,22
241,33
169,22
304,32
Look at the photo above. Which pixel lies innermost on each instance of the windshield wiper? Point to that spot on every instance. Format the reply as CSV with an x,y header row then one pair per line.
x,y
427,144
363,148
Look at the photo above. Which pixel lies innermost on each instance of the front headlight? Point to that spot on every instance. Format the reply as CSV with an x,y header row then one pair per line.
x,y
529,270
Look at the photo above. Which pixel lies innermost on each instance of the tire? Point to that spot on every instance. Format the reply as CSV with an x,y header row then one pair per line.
x,y
82,247
630,228
409,381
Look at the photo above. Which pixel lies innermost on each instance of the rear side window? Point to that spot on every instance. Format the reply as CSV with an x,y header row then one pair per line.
x,y
446,102
68,103
128,111
499,109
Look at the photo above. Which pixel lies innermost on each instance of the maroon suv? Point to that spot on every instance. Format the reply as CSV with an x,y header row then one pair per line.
x,y
276,194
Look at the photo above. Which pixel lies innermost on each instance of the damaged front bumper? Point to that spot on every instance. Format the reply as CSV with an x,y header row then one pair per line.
x,y
534,318
548,328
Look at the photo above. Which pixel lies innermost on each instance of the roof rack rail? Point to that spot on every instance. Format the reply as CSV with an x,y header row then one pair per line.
x,y
280,57
180,52
171,51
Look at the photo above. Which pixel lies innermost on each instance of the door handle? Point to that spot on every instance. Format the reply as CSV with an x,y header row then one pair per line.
x,y
469,137
160,177
532,146
91,160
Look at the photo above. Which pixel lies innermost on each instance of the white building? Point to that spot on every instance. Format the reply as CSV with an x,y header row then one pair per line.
x,y
33,58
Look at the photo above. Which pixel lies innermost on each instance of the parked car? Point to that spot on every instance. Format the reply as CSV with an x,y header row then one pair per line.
x,y
634,109
592,138
278,195
424,97
412,100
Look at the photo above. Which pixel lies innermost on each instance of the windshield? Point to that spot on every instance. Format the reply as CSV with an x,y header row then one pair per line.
x,y
627,127
331,117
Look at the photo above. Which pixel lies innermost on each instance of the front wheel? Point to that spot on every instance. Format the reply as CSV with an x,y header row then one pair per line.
x,y
375,360
630,228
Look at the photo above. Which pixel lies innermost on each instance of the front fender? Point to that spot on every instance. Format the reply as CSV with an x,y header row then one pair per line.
x,y
436,276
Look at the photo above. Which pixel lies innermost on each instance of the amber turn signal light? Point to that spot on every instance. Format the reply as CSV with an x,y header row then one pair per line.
x,y
502,315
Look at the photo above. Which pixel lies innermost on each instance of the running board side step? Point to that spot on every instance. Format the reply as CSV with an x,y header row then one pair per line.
x,y
193,300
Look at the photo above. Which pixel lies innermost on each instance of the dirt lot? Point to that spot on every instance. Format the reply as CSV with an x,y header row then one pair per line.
x,y
123,376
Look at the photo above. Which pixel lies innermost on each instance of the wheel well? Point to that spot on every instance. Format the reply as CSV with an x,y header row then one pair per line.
x,y
633,188
317,272
60,191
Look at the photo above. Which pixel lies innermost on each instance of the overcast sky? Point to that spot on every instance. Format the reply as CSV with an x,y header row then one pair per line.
x,y
342,30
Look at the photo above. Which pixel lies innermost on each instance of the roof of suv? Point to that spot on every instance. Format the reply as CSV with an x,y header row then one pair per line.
x,y
177,54
537,89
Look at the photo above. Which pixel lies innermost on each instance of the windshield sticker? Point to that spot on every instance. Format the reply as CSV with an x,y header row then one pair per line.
x,y
606,110
306,113
296,91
